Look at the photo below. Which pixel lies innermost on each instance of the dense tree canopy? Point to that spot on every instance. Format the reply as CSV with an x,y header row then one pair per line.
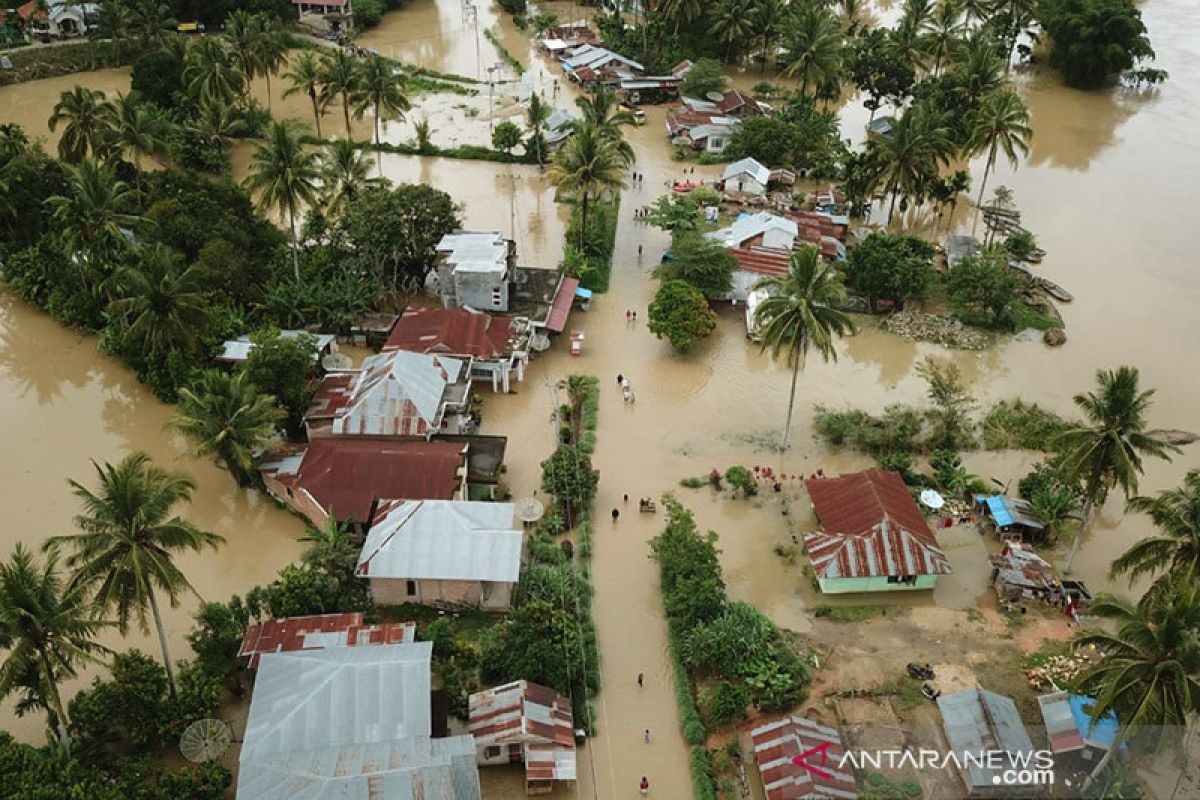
x,y
1093,41
891,267
680,314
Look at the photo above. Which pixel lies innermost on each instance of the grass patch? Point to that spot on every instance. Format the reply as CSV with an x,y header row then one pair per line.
x,y
1026,316
35,63
1050,649
897,431
1012,424
693,482
905,693
468,152
470,623
881,787
850,613
974,615
505,56
769,441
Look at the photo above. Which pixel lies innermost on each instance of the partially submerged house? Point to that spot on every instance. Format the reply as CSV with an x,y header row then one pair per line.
x,y
497,347
319,632
1077,741
778,744
591,65
559,125
442,552
527,723
61,19
764,229
707,131
874,538
236,351
343,477
746,177
326,15
754,264
350,722
979,724
397,393
474,268
1009,517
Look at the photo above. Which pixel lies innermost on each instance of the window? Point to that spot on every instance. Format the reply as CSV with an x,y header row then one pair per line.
x,y
411,588
497,298
891,579
490,752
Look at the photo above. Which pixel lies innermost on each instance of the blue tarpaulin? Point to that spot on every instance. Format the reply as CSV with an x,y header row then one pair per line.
x,y
1105,730
999,510
586,294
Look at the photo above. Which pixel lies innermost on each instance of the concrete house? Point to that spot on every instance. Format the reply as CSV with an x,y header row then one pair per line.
x,y
474,269
397,393
746,176
62,20
442,552
978,723
526,723
326,15
497,347
874,539
763,229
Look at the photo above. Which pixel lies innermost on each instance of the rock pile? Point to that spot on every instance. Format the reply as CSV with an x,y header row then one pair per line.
x,y
930,328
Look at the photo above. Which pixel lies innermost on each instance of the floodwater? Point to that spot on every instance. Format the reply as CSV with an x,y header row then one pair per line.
x,y
1105,181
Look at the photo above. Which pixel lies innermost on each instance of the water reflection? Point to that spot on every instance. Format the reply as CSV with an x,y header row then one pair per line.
x,y
1073,128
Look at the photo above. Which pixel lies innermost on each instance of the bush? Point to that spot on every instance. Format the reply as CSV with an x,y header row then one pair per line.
x,y
704,785
680,314
1015,424
740,478
724,703
441,633
898,430
218,635
693,482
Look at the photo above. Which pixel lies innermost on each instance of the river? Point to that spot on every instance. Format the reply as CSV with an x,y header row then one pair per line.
x,y
1106,174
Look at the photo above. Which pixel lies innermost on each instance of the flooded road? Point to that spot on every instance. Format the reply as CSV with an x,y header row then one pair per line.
x,y
1106,180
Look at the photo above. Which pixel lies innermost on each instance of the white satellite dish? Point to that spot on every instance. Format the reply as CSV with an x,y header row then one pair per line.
x,y
204,740
932,499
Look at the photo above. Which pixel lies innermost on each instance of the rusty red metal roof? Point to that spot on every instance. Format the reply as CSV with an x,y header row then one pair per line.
x,y
318,632
530,715
761,260
454,331
777,743
346,475
872,528
560,309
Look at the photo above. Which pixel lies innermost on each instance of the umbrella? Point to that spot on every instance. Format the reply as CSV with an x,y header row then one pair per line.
x,y
530,509
932,499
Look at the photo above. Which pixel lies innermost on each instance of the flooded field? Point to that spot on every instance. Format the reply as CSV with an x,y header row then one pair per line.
x,y
1103,190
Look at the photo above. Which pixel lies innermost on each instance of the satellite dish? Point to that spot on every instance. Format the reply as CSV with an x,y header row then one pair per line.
x,y
530,509
204,740
932,499
540,342
335,361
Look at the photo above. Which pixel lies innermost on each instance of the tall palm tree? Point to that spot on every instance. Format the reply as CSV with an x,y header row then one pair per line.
x,y
814,48
339,78
978,11
1001,124
345,174
1107,450
116,24
767,18
587,165
48,627
230,419
304,73
680,11
602,112
93,216
1148,672
907,42
1175,550
164,301
380,89
274,45
918,12
732,25
128,541
285,176
137,129
245,36
151,21
908,157
943,33
217,123
854,14
979,70
87,115
211,73
801,312
535,119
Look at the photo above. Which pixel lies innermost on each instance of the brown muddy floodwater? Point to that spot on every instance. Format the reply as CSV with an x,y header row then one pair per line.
x,y
1106,189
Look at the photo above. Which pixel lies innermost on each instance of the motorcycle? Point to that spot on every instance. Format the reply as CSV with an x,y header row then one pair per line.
x,y
920,672
929,692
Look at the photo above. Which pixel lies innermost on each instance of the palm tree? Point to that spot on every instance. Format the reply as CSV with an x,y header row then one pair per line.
x,y
274,45
379,88
217,123
339,77
284,175
164,301
943,33
853,14
801,312
1017,15
680,11
1000,124
980,70
87,116
535,118
304,73
1148,673
230,419
48,627
588,165
151,20
767,18
602,112
978,11
1175,551
137,129
210,72
345,174
128,540
906,41
1055,506
1107,450
423,131
814,48
244,33
116,23
93,216
732,25
908,157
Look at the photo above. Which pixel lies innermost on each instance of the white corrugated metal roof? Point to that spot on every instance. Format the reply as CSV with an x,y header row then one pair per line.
x,y
749,166
442,540
751,225
473,251
388,380
239,349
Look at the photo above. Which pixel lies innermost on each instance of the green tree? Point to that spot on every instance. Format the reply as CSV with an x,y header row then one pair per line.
x,y
538,643
768,18
1094,40
689,569
701,263
285,175
217,124
680,314
210,72
304,76
873,66
423,132
891,267
86,117
229,419
943,33
588,165
704,78
952,404
281,367
802,312
345,175
814,45
505,136
158,77
274,42
1000,125
333,552
129,539
1107,450
1174,551
116,24
681,11
568,475
165,303
48,627
340,76
1055,505
152,21
984,281
379,88
137,130
245,37
535,119
906,160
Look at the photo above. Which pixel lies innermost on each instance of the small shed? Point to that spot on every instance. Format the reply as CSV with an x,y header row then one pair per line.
x,y
780,745
985,733
523,722
1075,739
747,176
1010,517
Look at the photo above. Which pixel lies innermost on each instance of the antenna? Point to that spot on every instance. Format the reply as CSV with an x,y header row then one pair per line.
x,y
204,740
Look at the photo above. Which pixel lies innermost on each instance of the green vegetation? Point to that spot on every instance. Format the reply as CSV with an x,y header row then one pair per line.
x,y
881,787
1094,41
704,264
680,314
35,63
694,482
505,56
1017,425
705,77
798,137
850,613
741,479
890,267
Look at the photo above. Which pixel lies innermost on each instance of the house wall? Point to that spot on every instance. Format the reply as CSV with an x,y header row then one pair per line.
x,y
875,584
394,591
509,751
485,291
297,500
743,281
744,183
717,143
779,239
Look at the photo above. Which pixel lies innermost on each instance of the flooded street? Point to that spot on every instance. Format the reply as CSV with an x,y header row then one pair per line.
x,y
1109,173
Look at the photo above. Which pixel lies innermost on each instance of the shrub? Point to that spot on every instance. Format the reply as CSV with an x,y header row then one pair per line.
x,y
693,482
724,703
441,633
740,478
1011,424
704,785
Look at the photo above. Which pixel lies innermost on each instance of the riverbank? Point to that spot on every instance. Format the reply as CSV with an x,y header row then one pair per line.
x,y
34,62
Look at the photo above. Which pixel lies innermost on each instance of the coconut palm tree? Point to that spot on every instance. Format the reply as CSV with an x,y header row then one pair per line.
x,y
151,21
1055,506
423,131
217,123
731,24
801,312
304,73
116,24
1148,673
245,37
1001,124
230,419
211,73
601,112
164,301
943,33
767,18
814,48
340,78
907,42
137,129
1175,550
285,176
854,15
1107,450
380,89
535,119
86,116
978,11
681,11
587,165
48,628
93,216
274,43
345,174
128,541
980,70
908,157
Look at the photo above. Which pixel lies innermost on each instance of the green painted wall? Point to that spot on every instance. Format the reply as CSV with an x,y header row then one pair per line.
x,y
876,584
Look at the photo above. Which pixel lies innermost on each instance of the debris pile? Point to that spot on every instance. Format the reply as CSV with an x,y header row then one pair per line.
x,y
930,328
1057,672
